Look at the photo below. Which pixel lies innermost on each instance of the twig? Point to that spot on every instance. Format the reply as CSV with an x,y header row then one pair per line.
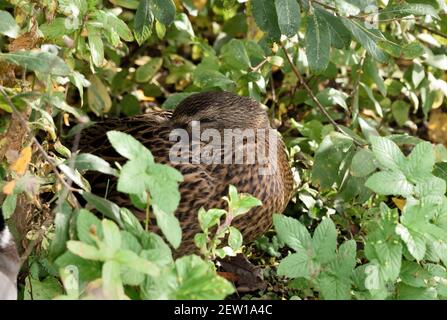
x,y
314,98
437,32
34,140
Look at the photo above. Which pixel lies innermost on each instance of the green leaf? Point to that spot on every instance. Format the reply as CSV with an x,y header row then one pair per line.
x,y
363,163
264,12
387,153
235,55
368,38
45,289
174,99
413,50
87,161
9,205
406,9
389,183
209,218
235,239
289,14
106,207
340,35
318,43
371,73
111,281
42,62
420,161
292,232
196,280
61,223
163,10
143,22
131,177
96,45
169,225
98,96
206,78
296,265
8,25
334,288
147,71
415,243
88,225
400,110
111,235
324,241
129,147
85,251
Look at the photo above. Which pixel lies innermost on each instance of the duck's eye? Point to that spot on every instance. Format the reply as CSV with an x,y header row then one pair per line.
x,y
206,120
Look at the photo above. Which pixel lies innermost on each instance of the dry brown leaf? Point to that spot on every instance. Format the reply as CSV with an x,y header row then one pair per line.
x,y
20,165
400,203
9,187
437,127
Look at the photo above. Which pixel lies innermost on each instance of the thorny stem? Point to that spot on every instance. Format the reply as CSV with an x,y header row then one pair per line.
x,y
314,98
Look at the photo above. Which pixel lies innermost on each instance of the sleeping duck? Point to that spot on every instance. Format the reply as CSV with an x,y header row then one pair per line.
x,y
268,178
9,263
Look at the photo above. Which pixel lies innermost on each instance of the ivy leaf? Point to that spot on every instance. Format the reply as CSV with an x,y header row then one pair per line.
x,y
318,43
143,22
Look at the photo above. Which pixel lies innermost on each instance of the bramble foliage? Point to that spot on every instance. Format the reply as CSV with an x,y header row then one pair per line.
x,y
356,88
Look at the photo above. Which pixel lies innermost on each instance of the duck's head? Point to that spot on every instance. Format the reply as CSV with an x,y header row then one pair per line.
x,y
220,110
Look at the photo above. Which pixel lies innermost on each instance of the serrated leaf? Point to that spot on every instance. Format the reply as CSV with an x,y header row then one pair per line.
x,y
324,241
415,243
292,232
296,265
387,153
389,183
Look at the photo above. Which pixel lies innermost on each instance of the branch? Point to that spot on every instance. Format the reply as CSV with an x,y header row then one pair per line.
x,y
437,32
35,141
314,98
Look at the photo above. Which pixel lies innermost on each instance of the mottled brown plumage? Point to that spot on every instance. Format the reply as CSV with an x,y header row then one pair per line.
x,y
204,184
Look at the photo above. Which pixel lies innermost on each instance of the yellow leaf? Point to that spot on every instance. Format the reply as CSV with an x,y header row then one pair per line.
x,y
400,203
20,165
9,187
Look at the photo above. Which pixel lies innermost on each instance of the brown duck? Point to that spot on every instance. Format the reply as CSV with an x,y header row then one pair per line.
x,y
205,184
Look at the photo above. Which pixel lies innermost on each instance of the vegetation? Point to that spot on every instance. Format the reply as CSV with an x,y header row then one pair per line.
x,y
357,89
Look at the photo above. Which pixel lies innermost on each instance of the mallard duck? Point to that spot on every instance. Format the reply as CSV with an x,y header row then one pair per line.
x,y
9,263
204,184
